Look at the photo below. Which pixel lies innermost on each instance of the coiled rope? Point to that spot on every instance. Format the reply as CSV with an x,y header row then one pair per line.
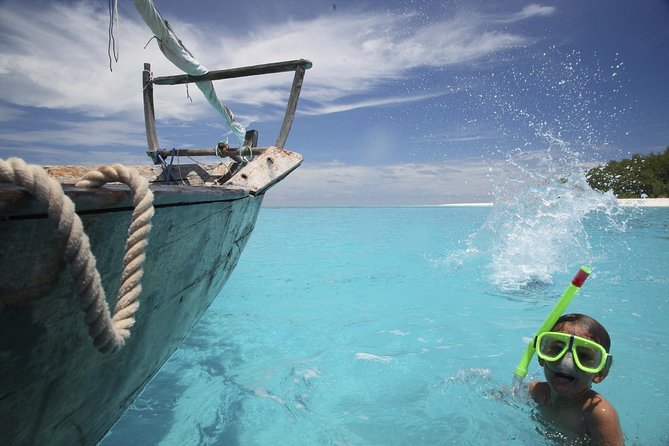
x,y
109,334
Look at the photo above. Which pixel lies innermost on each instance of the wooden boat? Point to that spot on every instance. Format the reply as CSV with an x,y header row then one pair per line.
x,y
55,386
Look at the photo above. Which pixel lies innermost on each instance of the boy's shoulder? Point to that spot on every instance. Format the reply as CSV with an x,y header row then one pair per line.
x,y
602,419
540,392
598,409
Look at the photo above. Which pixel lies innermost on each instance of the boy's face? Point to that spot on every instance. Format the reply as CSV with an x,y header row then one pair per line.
x,y
563,376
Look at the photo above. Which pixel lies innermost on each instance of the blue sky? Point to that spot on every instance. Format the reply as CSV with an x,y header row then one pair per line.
x,y
408,102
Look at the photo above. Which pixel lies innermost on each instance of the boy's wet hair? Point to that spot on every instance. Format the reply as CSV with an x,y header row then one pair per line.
x,y
596,330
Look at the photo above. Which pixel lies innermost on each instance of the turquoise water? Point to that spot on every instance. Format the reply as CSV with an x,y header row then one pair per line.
x,y
403,325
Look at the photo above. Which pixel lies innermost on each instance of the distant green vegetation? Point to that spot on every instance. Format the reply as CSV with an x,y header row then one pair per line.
x,y
642,175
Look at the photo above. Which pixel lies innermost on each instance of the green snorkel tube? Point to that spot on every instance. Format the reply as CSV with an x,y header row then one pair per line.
x,y
573,288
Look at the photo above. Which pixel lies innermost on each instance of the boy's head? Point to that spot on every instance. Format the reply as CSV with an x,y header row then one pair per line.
x,y
584,326
565,375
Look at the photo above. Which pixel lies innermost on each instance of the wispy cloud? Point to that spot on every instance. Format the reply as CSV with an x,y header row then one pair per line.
x,y
440,137
55,57
91,133
336,184
532,10
10,113
48,155
375,102
354,53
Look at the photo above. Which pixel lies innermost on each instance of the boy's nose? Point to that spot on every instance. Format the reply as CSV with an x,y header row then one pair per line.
x,y
568,360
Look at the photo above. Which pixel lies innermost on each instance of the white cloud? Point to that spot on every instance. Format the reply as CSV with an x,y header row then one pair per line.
x,y
336,108
354,54
47,155
90,133
535,10
338,184
529,11
55,57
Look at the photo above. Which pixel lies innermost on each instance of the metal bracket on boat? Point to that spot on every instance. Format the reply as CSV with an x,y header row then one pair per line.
x,y
155,153
242,154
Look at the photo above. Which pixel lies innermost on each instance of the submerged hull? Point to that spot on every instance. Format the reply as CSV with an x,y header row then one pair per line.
x,y
56,388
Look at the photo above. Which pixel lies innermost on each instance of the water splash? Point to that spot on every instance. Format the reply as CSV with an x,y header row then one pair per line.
x,y
541,201
551,116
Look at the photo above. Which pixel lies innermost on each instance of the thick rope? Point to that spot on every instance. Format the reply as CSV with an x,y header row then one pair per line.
x,y
109,334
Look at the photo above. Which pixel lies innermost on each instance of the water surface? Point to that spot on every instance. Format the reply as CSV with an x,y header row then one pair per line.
x,y
396,326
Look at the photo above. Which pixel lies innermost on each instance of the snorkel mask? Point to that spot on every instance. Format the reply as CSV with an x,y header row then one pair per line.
x,y
588,355
573,288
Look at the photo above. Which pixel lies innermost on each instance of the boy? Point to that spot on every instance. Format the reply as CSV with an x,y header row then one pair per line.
x,y
574,354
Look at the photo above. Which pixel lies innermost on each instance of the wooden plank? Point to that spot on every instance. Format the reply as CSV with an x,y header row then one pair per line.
x,y
266,170
16,202
253,70
149,112
291,107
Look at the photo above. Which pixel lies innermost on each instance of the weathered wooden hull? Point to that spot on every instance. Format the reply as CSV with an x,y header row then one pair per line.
x,y
55,387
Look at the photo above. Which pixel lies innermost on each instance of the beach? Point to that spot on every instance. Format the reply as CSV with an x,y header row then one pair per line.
x,y
644,202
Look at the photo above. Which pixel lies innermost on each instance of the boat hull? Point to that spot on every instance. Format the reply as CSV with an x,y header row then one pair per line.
x,y
56,388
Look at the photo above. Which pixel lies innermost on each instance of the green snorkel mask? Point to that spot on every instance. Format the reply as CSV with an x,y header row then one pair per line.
x,y
588,355
556,312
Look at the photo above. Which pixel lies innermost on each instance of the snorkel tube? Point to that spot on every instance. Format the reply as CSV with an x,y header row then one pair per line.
x,y
556,312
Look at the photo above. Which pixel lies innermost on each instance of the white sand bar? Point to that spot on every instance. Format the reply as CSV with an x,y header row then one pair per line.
x,y
625,202
644,202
